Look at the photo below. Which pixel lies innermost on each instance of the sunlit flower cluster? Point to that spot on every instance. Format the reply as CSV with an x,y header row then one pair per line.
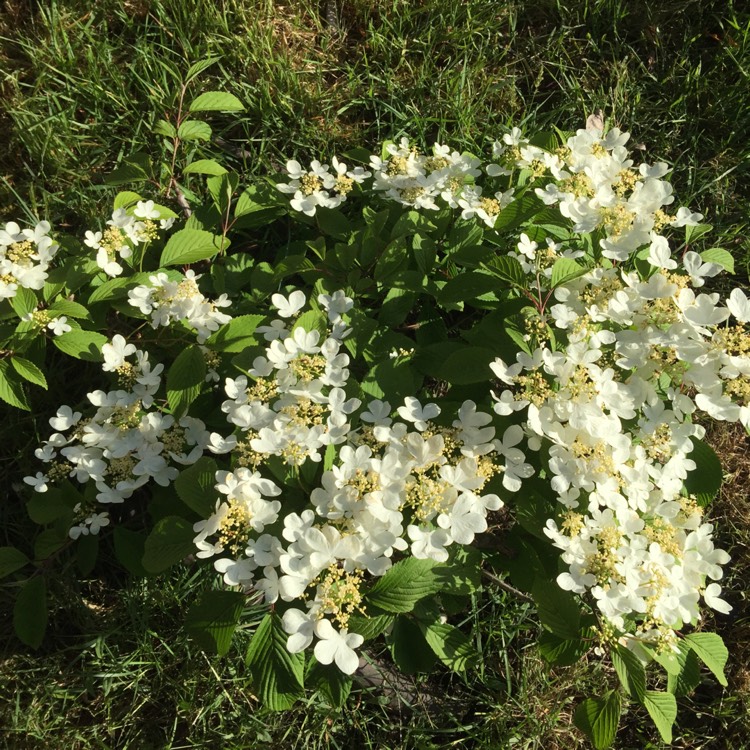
x,y
123,444
389,485
612,410
167,300
598,187
25,256
123,233
319,186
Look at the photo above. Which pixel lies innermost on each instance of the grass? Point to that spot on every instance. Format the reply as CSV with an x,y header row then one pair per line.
x,y
81,86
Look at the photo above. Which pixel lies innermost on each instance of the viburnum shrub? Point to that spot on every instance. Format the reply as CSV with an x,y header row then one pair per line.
x,y
332,384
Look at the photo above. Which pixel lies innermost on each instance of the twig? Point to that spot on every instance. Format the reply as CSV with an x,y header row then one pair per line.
x,y
506,586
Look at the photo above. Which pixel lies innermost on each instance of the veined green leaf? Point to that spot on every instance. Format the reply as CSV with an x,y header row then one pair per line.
x,y
28,371
170,541
710,649
30,612
663,710
191,245
277,675
216,101
185,378
598,719
212,620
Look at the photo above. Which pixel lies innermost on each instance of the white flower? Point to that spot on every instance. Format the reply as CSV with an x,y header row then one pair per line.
x,y
116,352
64,419
413,411
290,306
686,218
59,326
711,597
429,543
146,210
337,646
300,626
38,482
739,305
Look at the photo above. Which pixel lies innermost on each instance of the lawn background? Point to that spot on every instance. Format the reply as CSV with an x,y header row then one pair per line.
x,y
81,85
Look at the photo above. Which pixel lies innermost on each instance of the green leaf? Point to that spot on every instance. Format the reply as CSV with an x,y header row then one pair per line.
x,y
705,480
312,320
408,646
565,270
11,560
69,308
212,620
451,646
87,551
598,719
404,585
719,256
257,205
194,130
667,659
562,652
185,379
331,683
29,371
117,288
129,549
369,626
236,335
710,649
23,301
508,269
410,223
222,189
558,610
170,541
30,612
216,101
126,173
631,672
334,223
11,388
197,68
469,364
277,675
81,344
48,542
514,214
692,233
191,245
689,676
467,286
162,127
126,198
394,258
195,486
204,166
663,710
45,507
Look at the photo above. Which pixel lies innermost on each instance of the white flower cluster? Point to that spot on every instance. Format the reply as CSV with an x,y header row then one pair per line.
x,y
318,186
167,300
124,444
596,185
598,188
408,485
414,179
25,255
295,405
613,408
123,233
